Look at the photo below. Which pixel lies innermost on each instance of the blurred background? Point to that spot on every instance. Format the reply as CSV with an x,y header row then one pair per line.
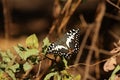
x,y
21,18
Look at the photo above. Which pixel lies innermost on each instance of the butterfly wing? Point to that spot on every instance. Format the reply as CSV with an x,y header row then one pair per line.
x,y
57,49
67,45
72,41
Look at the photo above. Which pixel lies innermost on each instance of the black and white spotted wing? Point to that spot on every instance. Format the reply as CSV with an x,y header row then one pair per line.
x,y
67,45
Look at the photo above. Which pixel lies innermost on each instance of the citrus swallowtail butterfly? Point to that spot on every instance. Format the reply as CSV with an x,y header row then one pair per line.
x,y
67,45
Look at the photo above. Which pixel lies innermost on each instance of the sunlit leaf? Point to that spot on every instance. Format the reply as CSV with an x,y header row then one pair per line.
x,y
5,57
66,75
30,52
21,47
46,43
10,54
27,66
32,41
64,72
57,77
48,76
65,63
25,54
3,76
14,67
78,77
3,65
11,74
114,73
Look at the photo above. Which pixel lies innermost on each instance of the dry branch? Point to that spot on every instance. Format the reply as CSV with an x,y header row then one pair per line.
x,y
98,19
7,17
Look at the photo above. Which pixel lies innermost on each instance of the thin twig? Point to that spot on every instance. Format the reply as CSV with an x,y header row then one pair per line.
x,y
27,72
39,68
83,22
98,19
112,16
83,44
67,16
97,68
56,13
53,26
114,35
7,17
100,50
66,7
91,77
116,6
90,65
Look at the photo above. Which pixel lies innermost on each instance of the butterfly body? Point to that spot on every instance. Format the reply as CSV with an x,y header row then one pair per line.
x,y
67,45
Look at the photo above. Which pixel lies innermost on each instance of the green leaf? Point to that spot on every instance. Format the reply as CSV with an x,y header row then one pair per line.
x,y
14,67
34,59
21,47
30,52
11,74
57,77
65,62
27,66
66,75
114,72
3,76
3,65
10,54
48,76
46,43
78,77
5,57
32,41
64,72
25,54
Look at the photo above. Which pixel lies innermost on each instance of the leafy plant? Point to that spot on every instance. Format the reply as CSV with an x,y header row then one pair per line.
x,y
61,74
9,63
18,65
46,43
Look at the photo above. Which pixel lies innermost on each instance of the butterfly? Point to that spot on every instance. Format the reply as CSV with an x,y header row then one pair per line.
x,y
67,45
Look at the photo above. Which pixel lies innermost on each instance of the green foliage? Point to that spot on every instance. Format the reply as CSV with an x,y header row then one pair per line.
x,y
78,77
29,54
114,73
27,66
61,74
46,43
32,41
65,63
47,77
6,56
11,74
7,65
13,67
3,75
